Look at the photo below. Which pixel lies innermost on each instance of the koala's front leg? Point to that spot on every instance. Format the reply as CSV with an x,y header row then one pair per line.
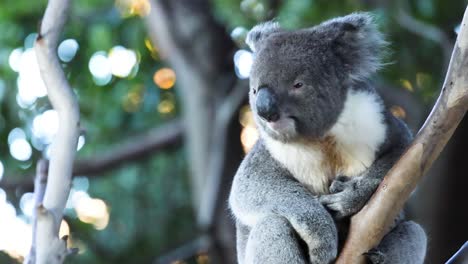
x,y
348,195
262,189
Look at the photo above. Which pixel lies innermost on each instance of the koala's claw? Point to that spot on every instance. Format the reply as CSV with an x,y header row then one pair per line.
x,y
335,203
339,184
343,199
375,256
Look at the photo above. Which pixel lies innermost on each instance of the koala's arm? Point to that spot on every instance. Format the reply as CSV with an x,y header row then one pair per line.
x,y
262,188
348,195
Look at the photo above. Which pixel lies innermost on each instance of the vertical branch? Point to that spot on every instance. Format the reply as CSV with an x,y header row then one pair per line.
x,y
370,225
49,248
40,182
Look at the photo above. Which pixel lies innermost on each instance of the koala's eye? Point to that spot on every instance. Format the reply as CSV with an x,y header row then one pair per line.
x,y
298,85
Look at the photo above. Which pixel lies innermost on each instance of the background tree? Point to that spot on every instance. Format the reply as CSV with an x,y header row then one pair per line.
x,y
137,67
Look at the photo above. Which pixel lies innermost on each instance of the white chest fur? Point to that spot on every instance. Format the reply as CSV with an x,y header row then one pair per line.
x,y
357,135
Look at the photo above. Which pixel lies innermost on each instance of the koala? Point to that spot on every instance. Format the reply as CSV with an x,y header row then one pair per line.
x,y
326,141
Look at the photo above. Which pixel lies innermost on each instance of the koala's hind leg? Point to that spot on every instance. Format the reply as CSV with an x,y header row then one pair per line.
x,y
273,240
405,244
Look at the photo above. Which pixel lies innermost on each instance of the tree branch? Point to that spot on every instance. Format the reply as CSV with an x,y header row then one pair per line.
x,y
370,225
225,112
133,149
49,248
39,189
157,139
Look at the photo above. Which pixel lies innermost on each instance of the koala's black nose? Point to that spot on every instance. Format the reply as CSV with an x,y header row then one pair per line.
x,y
267,105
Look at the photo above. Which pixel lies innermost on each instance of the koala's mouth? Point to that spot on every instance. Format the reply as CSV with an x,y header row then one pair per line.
x,y
282,129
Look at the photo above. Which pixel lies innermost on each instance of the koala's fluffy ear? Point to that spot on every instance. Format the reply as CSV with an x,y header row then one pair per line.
x,y
357,42
260,32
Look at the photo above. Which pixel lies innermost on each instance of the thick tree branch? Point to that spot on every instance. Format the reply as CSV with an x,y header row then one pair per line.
x,y
133,149
49,247
201,52
225,112
374,220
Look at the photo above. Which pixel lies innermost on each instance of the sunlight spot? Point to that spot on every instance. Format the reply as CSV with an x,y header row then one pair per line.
x,y
164,78
249,136
122,61
16,133
20,149
45,126
407,85
64,229
93,211
166,106
3,196
30,83
81,142
15,58
246,116
243,61
2,170
67,49
27,204
100,68
398,111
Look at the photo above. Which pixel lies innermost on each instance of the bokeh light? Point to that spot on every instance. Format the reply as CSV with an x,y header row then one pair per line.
x,y
92,211
16,133
398,111
133,99
29,81
81,142
2,170
166,106
64,230
27,203
100,68
133,7
67,49
45,126
407,85
152,49
165,78
249,134
20,149
15,58
243,60
122,61
15,237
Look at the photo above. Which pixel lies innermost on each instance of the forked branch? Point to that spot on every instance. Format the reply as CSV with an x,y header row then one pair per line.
x,y
49,248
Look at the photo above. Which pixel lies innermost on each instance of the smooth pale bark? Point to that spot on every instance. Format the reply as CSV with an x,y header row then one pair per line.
x,y
50,248
370,225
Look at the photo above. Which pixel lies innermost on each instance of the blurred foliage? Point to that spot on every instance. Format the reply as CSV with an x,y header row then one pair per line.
x,y
150,207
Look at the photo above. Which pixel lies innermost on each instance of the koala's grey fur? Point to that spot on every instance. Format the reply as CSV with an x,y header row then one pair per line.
x,y
325,143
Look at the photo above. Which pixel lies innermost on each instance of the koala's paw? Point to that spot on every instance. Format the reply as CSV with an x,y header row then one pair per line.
x,y
375,256
345,199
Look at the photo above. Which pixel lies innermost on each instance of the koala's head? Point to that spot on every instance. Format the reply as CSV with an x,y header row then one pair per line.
x,y
299,79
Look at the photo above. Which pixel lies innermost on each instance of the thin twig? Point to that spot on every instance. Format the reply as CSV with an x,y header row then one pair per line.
x,y
40,182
